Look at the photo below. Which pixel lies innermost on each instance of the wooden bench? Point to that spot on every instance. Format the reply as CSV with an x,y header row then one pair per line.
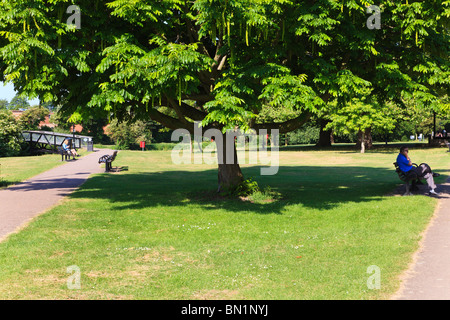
x,y
65,154
408,177
107,160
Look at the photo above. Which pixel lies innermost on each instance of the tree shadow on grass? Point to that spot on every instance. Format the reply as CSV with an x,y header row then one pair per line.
x,y
311,187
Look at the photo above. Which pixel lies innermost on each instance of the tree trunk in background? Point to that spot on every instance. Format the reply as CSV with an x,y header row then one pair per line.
x,y
325,136
364,139
230,174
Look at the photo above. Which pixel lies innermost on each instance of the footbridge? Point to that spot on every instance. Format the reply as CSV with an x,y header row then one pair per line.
x,y
48,140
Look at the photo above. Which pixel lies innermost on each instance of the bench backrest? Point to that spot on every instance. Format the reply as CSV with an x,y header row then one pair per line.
x,y
114,155
404,176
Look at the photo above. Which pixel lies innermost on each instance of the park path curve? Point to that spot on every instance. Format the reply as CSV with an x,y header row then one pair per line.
x,y
428,278
23,201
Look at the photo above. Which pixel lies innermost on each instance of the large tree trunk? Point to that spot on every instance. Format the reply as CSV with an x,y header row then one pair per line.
x,y
230,174
325,136
364,139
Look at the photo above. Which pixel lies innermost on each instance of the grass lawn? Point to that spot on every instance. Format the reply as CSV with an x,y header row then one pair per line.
x,y
16,169
158,231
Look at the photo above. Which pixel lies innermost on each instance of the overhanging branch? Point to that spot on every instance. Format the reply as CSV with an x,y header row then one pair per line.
x,y
284,127
184,110
174,123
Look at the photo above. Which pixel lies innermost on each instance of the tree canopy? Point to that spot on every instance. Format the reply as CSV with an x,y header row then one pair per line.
x,y
222,62
17,102
4,104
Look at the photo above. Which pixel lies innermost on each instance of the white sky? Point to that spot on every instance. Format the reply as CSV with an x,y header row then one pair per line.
x,y
7,92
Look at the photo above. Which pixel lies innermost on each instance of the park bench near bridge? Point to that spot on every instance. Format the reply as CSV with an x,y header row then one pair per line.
x,y
107,160
65,154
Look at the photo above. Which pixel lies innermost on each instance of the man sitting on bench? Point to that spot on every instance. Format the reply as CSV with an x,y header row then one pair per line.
x,y
423,171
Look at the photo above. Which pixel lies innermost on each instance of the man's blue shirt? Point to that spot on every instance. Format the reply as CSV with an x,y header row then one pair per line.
x,y
403,163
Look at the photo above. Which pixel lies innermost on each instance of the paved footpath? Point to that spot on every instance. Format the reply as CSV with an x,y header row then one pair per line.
x,y
24,201
429,276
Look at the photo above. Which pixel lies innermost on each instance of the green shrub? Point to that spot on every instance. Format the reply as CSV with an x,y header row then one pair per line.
x,y
127,135
31,117
305,135
246,188
10,131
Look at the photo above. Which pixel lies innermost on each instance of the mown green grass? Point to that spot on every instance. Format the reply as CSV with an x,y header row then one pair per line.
x,y
17,169
158,231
